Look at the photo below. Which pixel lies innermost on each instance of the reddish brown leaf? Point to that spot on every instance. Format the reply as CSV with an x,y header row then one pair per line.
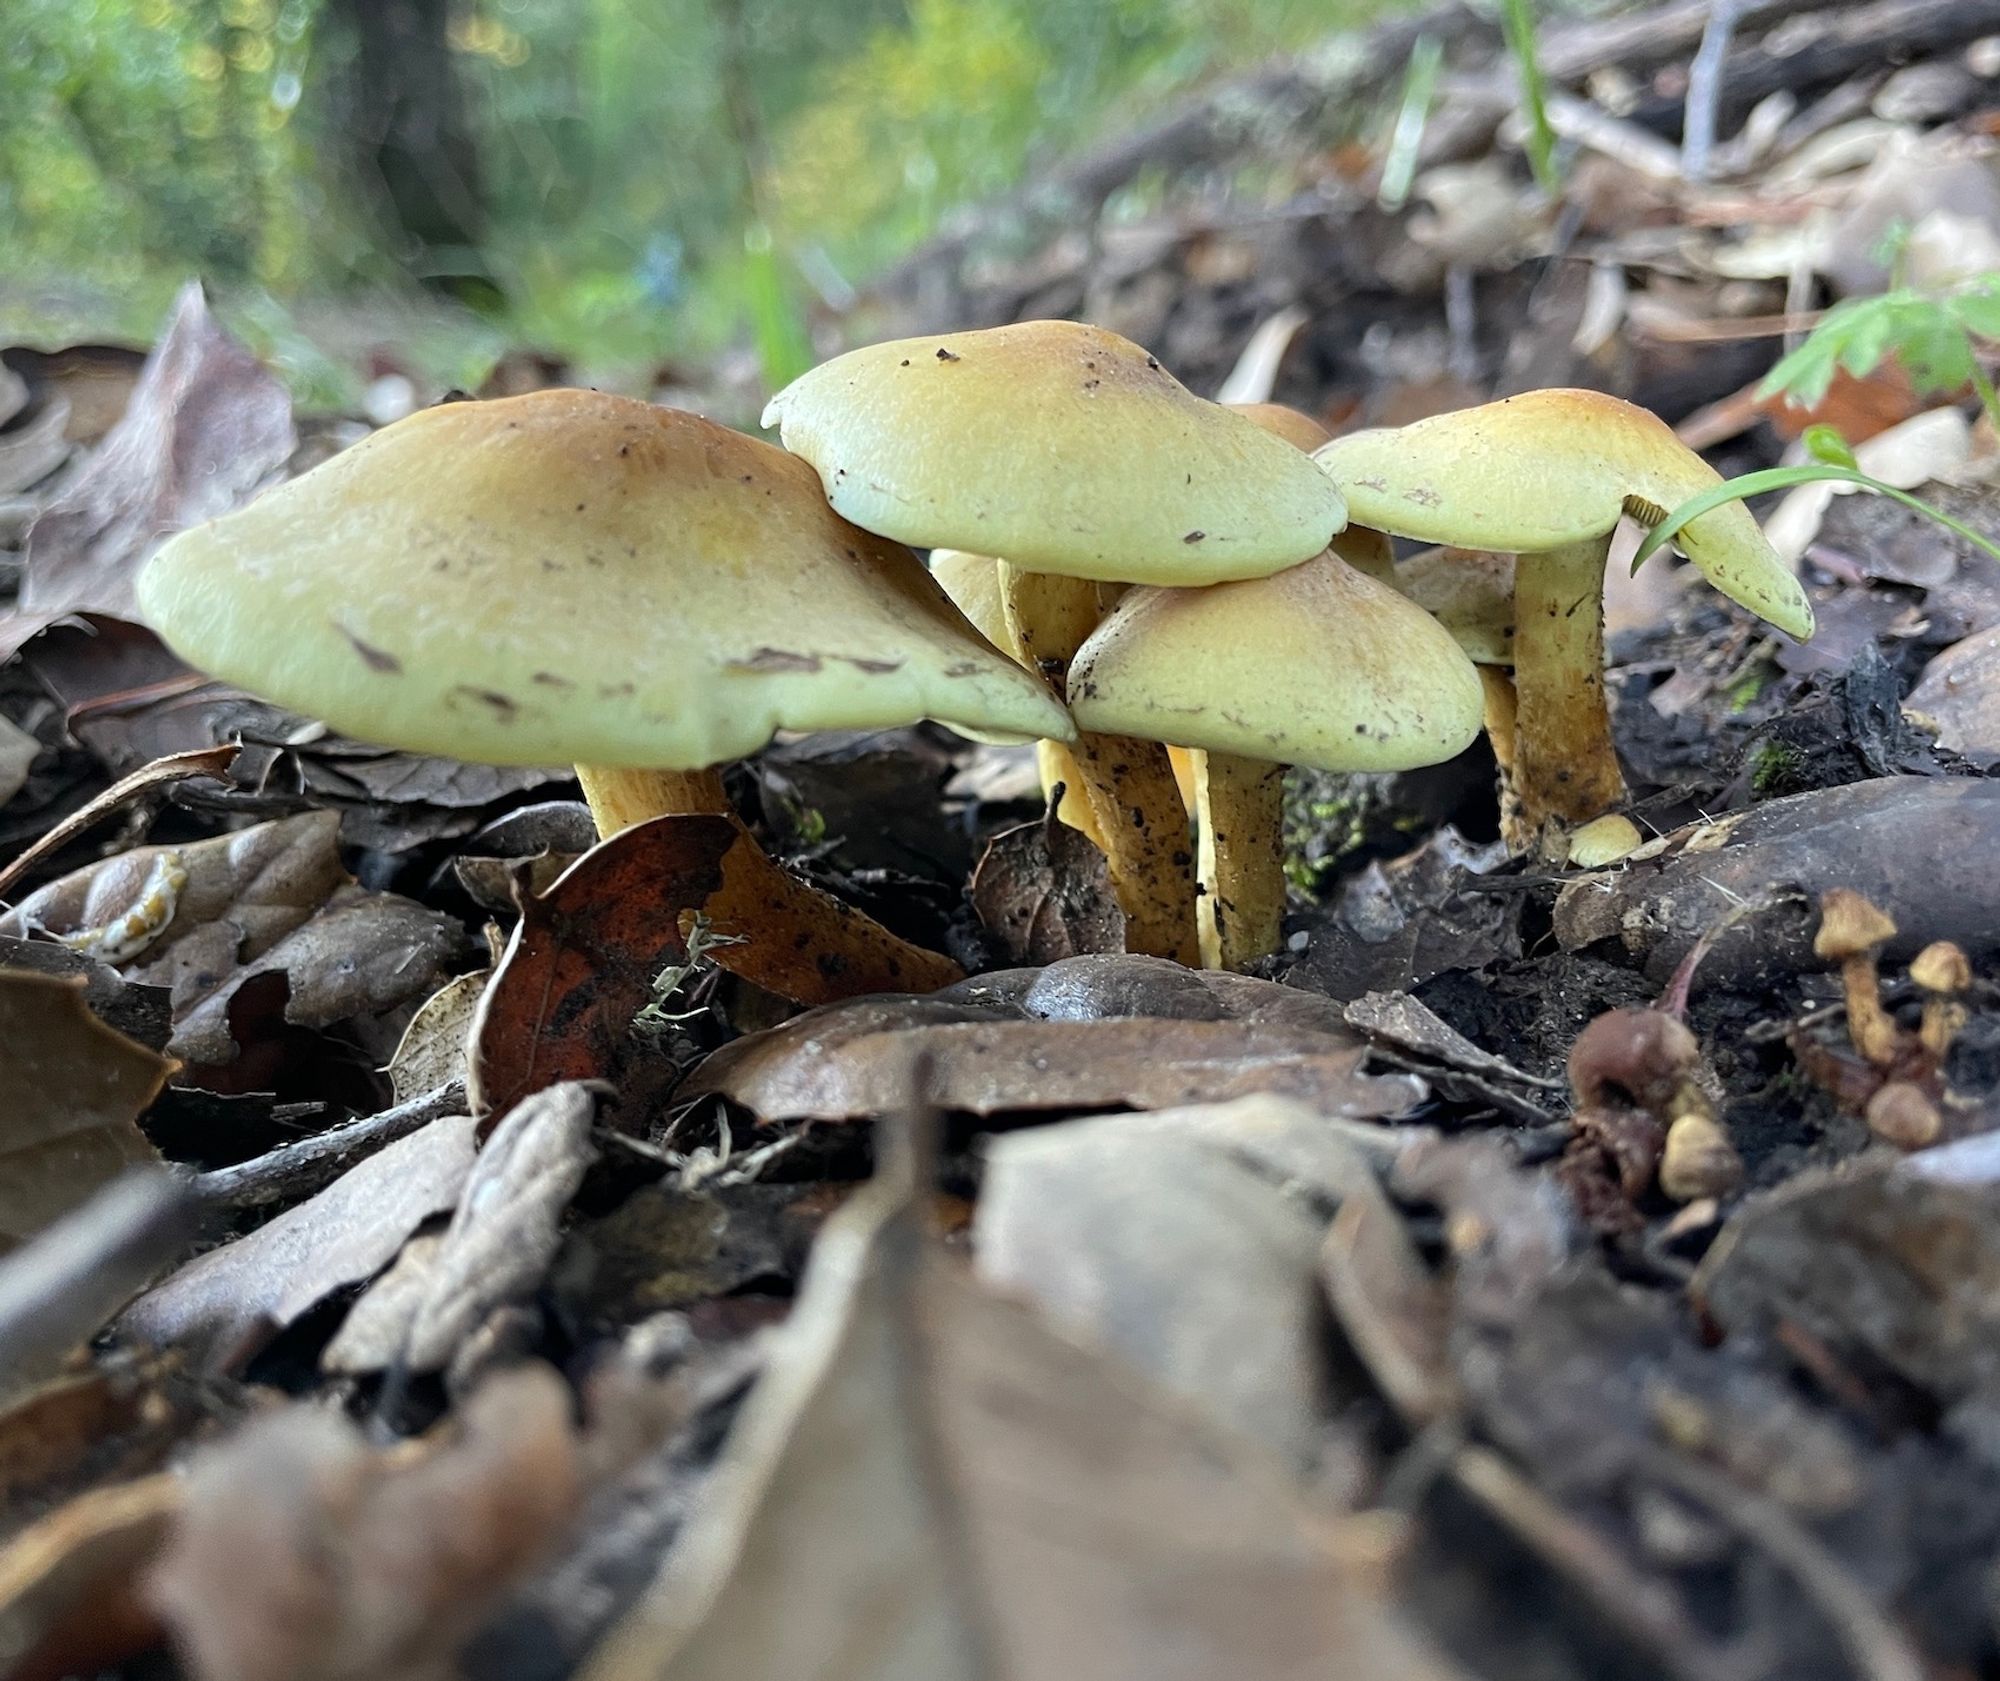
x,y
206,427
583,960
1043,892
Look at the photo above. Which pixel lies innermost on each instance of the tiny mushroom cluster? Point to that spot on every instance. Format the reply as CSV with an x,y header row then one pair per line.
x,y
1162,591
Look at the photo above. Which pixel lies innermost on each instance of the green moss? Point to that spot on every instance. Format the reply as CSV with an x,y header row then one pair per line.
x,y
1773,767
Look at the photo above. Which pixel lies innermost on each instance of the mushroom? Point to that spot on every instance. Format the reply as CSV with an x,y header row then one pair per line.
x,y
973,581
569,576
1317,665
1852,933
1546,476
1075,457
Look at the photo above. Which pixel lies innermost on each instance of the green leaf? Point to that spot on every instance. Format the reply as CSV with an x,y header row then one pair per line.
x,y
1978,307
1784,478
1824,443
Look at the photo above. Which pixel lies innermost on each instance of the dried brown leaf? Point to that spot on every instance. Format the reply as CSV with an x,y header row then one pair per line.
x,y
232,1299
582,962
850,1061
71,1093
1043,892
436,1045
1187,1243
301,1554
207,426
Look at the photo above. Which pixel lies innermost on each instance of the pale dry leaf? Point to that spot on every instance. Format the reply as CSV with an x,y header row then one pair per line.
x,y
71,1093
207,426
934,1486
263,882
1187,1243
35,448
18,752
506,1228
377,1327
302,1554
433,1049
245,1291
361,954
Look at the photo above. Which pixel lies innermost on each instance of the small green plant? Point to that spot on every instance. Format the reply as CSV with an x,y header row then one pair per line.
x,y
1832,460
1406,138
1517,22
670,985
1933,335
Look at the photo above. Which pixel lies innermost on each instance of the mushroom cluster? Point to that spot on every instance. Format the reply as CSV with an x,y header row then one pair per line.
x,y
1162,591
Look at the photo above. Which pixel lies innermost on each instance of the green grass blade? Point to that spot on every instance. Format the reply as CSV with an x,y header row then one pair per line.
x,y
1517,20
1406,139
1784,478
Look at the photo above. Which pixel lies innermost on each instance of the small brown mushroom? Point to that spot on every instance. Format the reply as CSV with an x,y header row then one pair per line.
x,y
1942,973
1851,933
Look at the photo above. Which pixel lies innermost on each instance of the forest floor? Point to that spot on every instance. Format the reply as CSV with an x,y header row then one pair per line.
x,y
535,1295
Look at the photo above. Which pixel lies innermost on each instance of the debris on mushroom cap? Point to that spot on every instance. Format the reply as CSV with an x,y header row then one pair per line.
x,y
1317,665
1282,421
1061,447
1468,591
569,576
1549,468
1850,925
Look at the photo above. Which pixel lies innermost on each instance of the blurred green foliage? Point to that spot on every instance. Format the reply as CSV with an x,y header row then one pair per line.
x,y
653,175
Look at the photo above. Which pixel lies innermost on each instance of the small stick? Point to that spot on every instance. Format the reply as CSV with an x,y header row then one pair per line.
x,y
295,1171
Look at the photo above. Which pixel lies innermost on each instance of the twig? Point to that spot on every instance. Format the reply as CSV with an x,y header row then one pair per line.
x,y
1704,90
176,767
311,1164
58,1290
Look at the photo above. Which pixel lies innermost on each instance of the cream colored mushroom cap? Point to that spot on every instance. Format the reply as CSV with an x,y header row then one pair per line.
x,y
1470,593
572,577
1281,420
1548,468
1061,447
1318,665
973,583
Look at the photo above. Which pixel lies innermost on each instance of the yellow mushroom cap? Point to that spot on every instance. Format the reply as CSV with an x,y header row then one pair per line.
x,y
973,583
1062,448
1318,665
569,576
1301,431
1470,593
1549,468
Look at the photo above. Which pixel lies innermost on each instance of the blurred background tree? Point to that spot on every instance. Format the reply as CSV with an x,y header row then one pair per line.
x,y
608,179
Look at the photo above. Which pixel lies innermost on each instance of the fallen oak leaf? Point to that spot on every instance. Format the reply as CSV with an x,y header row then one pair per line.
x,y
71,1093
1043,891
581,963
848,1062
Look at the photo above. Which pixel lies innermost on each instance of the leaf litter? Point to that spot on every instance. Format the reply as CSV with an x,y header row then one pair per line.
x,y
580,1318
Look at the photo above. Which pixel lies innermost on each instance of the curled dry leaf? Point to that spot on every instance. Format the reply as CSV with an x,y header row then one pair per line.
x,y
1043,893
505,1230
851,1060
232,1299
206,427
582,962
436,1045
1186,1242
71,1093
302,1554
934,1486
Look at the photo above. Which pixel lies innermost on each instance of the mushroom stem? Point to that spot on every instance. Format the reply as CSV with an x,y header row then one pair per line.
x,y
1142,824
1565,767
619,798
1239,808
